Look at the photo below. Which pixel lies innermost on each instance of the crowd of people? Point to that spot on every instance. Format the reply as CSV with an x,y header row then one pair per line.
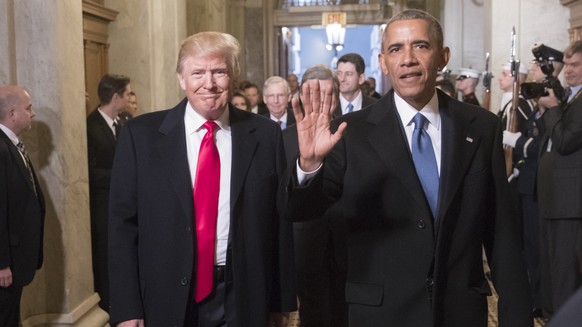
x,y
242,204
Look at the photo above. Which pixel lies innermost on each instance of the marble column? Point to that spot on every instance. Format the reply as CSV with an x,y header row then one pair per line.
x,y
43,44
144,41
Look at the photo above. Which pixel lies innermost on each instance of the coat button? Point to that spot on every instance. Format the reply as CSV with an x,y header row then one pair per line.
x,y
184,281
429,281
421,224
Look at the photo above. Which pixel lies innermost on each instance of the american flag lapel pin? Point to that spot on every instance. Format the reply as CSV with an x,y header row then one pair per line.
x,y
469,139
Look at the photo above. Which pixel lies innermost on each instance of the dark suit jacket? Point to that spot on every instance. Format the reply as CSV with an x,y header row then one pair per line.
x,y
21,216
398,259
151,221
366,101
100,151
560,170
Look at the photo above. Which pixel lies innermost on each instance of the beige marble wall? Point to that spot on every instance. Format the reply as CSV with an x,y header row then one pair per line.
x,y
44,43
144,42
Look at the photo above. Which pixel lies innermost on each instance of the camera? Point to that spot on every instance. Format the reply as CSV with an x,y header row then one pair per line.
x,y
544,56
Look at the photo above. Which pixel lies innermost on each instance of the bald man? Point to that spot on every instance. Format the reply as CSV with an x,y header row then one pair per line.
x,y
21,205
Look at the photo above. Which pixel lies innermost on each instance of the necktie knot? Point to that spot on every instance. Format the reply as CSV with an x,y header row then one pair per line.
x,y
350,107
419,121
568,93
210,126
21,147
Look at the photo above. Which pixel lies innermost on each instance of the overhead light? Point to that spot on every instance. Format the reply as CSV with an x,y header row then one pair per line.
x,y
336,34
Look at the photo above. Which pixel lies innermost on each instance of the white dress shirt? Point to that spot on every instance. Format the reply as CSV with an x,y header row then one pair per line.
x,y
194,133
433,128
108,120
15,140
357,103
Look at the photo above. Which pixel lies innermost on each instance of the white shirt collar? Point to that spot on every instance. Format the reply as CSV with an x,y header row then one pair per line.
x,y
283,118
194,121
106,117
357,102
10,134
574,90
430,111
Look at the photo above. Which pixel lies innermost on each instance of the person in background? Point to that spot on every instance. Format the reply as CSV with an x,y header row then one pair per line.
x,y
22,207
131,111
293,84
320,244
195,237
420,179
559,194
525,143
102,132
446,86
240,101
466,83
276,95
251,91
373,93
350,73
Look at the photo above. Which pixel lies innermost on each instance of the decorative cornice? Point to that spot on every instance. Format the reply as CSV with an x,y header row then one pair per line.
x,y
568,2
94,9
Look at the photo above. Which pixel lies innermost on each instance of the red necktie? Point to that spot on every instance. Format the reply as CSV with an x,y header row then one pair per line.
x,y
206,189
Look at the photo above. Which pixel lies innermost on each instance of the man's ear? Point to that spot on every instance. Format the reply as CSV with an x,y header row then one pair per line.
x,y
445,56
362,78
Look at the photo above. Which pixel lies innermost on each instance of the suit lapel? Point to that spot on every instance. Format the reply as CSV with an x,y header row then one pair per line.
x,y
458,145
105,129
244,144
20,161
388,133
174,156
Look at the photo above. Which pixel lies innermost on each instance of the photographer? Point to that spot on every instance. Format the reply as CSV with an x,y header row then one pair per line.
x,y
526,150
559,192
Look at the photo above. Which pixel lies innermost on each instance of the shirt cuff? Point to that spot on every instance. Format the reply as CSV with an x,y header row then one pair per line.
x,y
303,176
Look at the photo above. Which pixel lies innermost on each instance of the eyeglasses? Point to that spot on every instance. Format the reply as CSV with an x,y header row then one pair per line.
x,y
276,96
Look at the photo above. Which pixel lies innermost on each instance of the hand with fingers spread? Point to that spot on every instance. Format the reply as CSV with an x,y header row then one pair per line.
x,y
313,124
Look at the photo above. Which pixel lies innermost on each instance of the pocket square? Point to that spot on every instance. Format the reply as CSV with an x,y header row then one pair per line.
x,y
469,139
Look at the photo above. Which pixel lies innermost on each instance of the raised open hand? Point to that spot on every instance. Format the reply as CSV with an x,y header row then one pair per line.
x,y
313,125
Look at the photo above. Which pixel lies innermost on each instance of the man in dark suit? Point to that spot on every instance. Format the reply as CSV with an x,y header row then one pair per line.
x,y
102,126
420,179
21,205
351,75
320,244
164,271
277,94
559,192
